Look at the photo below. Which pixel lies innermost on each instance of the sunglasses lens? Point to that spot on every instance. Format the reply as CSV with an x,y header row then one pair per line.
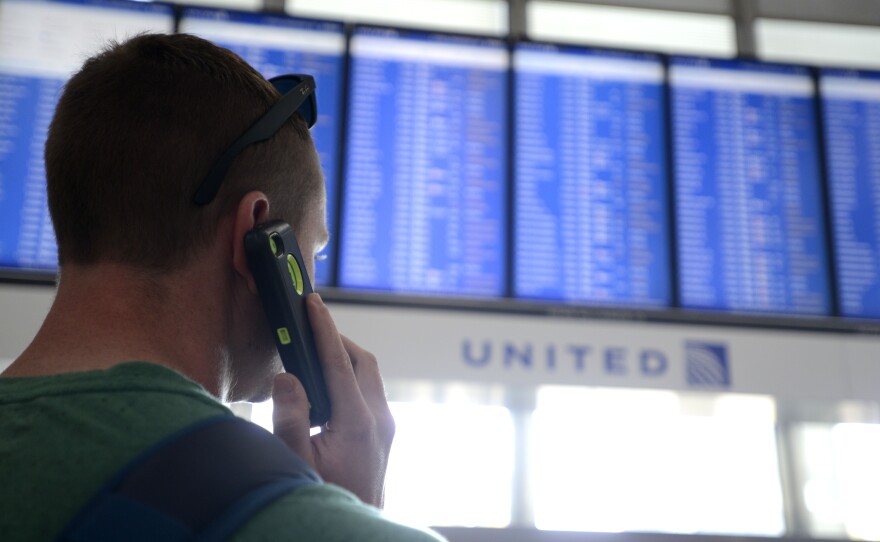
x,y
307,111
284,84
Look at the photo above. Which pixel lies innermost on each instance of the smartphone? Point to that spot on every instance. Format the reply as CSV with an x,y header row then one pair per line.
x,y
280,273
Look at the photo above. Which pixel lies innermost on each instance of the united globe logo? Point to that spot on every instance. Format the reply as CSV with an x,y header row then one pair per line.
x,y
706,365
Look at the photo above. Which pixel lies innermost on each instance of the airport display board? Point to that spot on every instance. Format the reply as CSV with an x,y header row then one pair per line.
x,y
464,166
591,216
751,231
424,205
851,116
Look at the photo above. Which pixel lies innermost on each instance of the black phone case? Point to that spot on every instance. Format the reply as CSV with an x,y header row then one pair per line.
x,y
286,309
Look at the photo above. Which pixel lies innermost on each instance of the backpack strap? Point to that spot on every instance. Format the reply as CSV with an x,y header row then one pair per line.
x,y
201,483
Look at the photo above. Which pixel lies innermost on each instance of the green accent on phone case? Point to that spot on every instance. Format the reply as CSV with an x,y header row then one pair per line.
x,y
272,244
295,274
283,335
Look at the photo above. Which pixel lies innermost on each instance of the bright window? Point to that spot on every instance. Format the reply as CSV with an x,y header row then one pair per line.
x,y
620,460
472,16
856,449
839,476
818,43
632,28
261,414
451,464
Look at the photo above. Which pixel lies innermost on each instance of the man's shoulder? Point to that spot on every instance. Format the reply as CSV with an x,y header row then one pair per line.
x,y
326,512
64,436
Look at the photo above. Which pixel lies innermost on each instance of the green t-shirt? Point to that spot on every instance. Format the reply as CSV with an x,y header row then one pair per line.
x,y
62,437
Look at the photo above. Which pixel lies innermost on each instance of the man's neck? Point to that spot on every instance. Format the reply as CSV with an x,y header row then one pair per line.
x,y
107,314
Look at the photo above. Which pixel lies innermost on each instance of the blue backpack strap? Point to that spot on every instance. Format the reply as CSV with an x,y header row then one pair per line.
x,y
201,483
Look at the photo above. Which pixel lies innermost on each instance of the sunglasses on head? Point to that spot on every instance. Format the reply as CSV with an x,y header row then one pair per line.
x,y
297,96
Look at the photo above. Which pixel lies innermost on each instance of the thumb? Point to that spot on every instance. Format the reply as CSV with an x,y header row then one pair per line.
x,y
290,415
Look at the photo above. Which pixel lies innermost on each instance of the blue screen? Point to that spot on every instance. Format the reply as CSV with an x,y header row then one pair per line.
x,y
591,217
43,42
425,196
748,195
851,115
276,45
26,236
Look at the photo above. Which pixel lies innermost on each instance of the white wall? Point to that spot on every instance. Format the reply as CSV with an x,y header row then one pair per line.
x,y
22,310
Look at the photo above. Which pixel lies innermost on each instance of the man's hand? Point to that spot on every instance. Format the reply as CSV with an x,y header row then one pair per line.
x,y
352,451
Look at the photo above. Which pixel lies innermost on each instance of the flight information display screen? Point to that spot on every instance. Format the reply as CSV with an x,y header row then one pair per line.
x,y
591,212
277,45
425,199
748,195
42,43
851,115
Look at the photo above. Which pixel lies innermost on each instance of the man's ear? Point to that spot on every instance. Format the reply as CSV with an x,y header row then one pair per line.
x,y
252,210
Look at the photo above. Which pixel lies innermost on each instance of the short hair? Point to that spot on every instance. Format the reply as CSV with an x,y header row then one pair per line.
x,y
135,132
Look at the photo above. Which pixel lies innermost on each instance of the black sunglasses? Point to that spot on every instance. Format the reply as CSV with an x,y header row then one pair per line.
x,y
297,96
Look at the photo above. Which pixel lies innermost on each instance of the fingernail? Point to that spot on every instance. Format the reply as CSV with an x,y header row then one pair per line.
x,y
320,299
283,388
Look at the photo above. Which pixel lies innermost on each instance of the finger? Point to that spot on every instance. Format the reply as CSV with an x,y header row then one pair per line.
x,y
290,415
369,379
348,409
366,371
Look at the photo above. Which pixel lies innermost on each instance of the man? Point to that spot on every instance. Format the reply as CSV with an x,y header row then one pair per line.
x,y
157,316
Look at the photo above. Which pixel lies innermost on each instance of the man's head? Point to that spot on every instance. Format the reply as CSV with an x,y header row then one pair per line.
x,y
137,130
135,133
